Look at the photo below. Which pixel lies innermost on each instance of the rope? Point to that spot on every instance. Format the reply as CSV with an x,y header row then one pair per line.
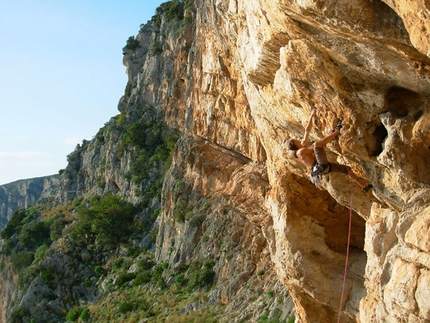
x,y
347,252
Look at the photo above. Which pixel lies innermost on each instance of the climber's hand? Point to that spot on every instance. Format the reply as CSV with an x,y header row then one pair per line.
x,y
313,111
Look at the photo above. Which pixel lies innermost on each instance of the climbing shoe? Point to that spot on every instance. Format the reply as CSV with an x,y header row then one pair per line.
x,y
367,188
339,124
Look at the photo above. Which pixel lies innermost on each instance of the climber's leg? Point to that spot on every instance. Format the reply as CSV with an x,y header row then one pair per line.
x,y
323,142
338,168
343,169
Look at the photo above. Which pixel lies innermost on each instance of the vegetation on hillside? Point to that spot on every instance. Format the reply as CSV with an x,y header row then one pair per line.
x,y
100,225
154,144
25,233
87,236
173,11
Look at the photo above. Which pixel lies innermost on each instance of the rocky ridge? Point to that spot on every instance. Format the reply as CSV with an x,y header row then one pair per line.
x,y
23,193
240,79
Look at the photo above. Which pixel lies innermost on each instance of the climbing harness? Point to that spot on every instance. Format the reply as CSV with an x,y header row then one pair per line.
x,y
347,252
315,176
318,170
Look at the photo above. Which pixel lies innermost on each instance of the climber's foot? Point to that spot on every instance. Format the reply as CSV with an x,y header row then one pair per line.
x,y
339,124
367,188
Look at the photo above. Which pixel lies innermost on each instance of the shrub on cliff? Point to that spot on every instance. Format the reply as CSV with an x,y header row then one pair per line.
x,y
24,233
34,234
85,315
201,275
18,315
14,225
156,48
125,278
71,316
132,43
174,10
106,221
57,227
21,259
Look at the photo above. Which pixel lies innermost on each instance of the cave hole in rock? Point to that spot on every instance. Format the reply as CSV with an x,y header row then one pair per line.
x,y
417,115
384,20
400,101
379,134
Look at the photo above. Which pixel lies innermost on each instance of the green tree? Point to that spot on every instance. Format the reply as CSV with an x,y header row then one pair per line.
x,y
107,221
34,234
132,43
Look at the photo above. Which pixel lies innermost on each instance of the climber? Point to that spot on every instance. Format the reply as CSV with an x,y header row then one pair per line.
x,y
315,158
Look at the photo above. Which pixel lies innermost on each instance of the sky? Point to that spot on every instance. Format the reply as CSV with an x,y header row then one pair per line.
x,y
61,77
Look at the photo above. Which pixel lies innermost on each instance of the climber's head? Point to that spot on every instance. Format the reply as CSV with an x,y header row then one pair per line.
x,y
294,144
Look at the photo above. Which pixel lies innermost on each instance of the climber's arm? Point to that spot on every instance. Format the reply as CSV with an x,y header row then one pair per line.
x,y
308,129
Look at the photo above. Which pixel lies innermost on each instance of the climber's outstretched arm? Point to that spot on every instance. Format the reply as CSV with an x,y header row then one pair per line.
x,y
305,140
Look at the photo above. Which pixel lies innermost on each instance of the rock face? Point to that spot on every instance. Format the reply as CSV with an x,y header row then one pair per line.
x,y
238,81
8,290
23,193
257,68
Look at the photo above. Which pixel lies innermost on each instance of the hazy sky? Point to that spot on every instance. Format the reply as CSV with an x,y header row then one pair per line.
x,y
61,77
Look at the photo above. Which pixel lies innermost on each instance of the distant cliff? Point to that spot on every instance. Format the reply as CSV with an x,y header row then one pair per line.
x,y
186,206
23,193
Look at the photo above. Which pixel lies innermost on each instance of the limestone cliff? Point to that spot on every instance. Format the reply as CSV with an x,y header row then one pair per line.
x,y
233,80
257,69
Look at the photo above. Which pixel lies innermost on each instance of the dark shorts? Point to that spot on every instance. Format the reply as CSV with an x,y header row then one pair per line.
x,y
322,162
